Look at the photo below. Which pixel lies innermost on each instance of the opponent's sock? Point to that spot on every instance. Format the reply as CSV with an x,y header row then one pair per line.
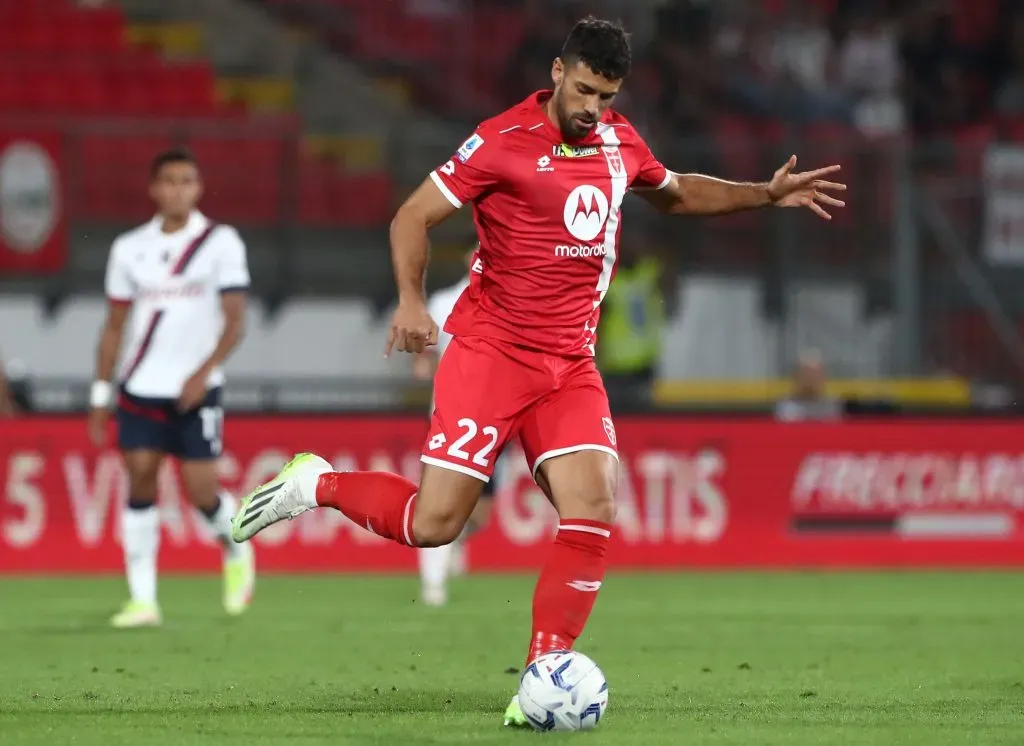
x,y
568,585
140,538
434,564
219,517
380,502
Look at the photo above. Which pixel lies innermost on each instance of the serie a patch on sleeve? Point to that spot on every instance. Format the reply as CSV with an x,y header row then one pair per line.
x,y
469,147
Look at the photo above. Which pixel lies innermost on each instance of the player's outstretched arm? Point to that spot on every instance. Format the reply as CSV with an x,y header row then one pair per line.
x,y
696,194
412,328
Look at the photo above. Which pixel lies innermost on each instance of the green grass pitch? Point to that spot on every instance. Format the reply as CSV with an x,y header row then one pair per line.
x,y
877,659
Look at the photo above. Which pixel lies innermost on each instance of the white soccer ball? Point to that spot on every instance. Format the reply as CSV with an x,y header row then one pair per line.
x,y
563,690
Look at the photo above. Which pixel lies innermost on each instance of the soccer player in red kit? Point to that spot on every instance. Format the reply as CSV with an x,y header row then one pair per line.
x,y
546,180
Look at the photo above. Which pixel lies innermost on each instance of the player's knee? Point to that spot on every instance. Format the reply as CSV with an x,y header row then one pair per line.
x,y
142,488
590,495
437,527
600,505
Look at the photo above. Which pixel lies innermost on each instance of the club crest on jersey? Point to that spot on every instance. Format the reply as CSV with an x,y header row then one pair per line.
x,y
609,429
469,147
614,158
574,151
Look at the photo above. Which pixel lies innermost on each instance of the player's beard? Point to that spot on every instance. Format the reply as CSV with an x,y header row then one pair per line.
x,y
568,123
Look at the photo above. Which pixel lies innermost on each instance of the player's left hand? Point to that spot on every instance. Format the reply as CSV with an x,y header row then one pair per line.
x,y
193,392
807,189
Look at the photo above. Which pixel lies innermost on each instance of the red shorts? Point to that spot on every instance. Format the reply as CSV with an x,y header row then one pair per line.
x,y
488,392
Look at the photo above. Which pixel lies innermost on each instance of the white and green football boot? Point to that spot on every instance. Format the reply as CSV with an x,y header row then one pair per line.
x,y
291,493
136,614
514,717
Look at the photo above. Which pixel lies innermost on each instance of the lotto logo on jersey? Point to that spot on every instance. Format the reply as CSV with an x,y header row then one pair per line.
x,y
585,212
469,147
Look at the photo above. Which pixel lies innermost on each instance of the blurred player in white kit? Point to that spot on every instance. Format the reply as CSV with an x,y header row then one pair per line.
x,y
438,563
185,280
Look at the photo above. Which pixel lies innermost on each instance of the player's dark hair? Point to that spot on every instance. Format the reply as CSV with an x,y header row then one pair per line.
x,y
602,45
169,156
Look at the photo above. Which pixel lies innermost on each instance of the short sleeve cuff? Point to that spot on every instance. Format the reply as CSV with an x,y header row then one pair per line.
x,y
448,193
665,182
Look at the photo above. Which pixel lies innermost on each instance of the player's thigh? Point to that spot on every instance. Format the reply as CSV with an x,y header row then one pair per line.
x,y
581,484
481,514
197,440
479,392
569,441
198,434
143,436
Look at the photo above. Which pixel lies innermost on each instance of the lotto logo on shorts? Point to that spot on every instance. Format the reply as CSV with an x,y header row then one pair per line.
x,y
609,429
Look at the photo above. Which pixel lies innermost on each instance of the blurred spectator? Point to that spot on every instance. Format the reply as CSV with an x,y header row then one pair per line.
x,y
6,398
869,57
935,83
802,50
869,72
809,399
530,67
786,70
632,323
1009,98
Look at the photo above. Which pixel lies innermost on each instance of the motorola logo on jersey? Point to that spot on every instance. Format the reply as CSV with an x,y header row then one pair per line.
x,y
586,210
576,252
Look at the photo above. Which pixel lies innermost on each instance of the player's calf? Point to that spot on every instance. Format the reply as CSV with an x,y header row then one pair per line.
x,y
140,539
582,488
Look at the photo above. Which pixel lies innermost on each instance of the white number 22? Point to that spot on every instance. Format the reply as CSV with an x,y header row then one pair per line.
x,y
480,457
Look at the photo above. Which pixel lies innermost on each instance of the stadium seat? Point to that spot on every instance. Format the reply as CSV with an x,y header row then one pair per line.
x,y
22,321
288,336
720,326
71,336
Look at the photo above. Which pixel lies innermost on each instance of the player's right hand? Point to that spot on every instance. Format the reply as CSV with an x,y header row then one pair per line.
x,y
412,329
98,430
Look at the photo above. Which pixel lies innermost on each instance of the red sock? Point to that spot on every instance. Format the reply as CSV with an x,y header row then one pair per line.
x,y
380,502
568,585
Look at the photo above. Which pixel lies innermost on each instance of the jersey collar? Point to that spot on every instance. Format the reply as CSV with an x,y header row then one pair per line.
x,y
196,222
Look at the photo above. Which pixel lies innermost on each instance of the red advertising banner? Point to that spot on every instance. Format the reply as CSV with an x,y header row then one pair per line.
x,y
33,224
693,494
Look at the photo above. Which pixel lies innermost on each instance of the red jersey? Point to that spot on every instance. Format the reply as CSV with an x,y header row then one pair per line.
x,y
548,218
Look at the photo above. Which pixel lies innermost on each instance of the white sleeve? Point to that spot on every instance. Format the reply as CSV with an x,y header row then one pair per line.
x,y
232,265
118,284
